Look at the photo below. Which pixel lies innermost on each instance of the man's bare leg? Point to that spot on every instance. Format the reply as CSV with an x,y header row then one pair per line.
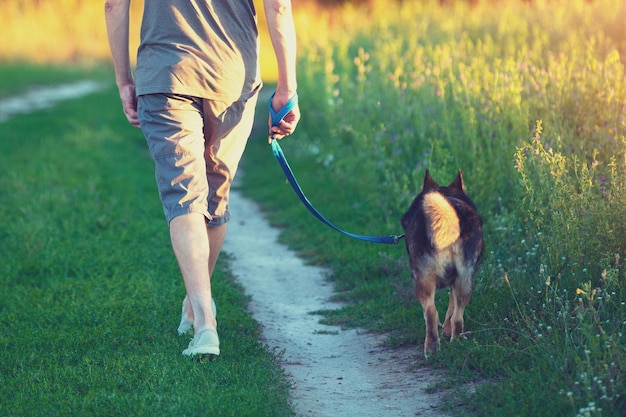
x,y
197,249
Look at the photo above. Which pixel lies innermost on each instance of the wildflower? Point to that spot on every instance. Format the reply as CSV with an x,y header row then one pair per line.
x,y
579,291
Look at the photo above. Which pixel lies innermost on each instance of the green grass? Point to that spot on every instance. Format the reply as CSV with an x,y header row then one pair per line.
x,y
90,290
533,112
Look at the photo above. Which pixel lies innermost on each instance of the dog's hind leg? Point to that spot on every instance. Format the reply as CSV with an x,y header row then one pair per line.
x,y
459,298
447,324
425,289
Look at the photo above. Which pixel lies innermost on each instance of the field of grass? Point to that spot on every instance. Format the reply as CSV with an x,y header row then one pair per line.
x,y
89,289
527,98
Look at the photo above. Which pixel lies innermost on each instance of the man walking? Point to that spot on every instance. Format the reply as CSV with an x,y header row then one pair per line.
x,y
193,95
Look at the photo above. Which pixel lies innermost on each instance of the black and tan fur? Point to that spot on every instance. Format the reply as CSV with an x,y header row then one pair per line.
x,y
444,241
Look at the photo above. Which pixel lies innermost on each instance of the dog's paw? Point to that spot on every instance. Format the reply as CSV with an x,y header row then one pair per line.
x,y
431,348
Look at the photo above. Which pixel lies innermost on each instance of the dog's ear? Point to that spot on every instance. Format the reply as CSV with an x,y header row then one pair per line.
x,y
429,182
458,182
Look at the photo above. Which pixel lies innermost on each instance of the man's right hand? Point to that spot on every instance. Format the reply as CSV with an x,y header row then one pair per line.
x,y
129,103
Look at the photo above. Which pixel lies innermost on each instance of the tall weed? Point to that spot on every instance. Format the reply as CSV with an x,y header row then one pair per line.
x,y
528,99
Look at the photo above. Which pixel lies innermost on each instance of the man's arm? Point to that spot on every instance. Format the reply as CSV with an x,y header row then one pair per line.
x,y
117,22
283,36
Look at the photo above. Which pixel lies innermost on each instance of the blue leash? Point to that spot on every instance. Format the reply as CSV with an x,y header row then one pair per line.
x,y
278,117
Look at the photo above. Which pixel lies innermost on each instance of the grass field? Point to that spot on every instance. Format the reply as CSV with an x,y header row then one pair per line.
x,y
90,291
528,98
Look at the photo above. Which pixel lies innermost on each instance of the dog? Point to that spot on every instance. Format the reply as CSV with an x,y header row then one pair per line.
x,y
444,242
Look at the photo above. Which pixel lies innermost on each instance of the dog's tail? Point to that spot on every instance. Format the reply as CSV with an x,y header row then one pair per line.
x,y
443,225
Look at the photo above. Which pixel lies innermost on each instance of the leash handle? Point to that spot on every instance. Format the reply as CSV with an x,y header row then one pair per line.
x,y
278,117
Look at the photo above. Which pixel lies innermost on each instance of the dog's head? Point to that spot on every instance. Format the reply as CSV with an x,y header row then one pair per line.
x,y
456,186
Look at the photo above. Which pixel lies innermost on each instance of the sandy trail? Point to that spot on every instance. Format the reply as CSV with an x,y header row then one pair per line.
x,y
335,372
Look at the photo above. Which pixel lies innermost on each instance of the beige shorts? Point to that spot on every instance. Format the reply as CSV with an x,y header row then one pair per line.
x,y
196,145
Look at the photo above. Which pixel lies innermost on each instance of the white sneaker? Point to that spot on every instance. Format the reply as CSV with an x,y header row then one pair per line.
x,y
186,326
204,343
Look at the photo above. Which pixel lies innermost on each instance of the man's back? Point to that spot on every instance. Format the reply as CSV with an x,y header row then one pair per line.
x,y
201,48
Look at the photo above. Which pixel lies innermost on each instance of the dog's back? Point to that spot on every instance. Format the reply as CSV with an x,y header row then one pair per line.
x,y
444,242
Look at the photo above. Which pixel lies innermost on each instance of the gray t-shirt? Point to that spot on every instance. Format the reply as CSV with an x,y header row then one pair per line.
x,y
201,48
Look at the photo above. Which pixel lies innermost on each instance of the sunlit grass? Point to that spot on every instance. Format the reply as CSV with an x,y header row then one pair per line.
x,y
58,31
73,31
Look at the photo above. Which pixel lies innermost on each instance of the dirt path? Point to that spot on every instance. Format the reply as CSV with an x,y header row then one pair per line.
x,y
334,372
43,97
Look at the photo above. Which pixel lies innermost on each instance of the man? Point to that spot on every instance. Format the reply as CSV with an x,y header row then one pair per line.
x,y
193,95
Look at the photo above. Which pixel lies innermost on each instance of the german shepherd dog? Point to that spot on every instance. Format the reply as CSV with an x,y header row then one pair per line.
x,y
444,241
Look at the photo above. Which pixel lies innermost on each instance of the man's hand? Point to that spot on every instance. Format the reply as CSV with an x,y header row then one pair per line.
x,y
129,103
288,125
